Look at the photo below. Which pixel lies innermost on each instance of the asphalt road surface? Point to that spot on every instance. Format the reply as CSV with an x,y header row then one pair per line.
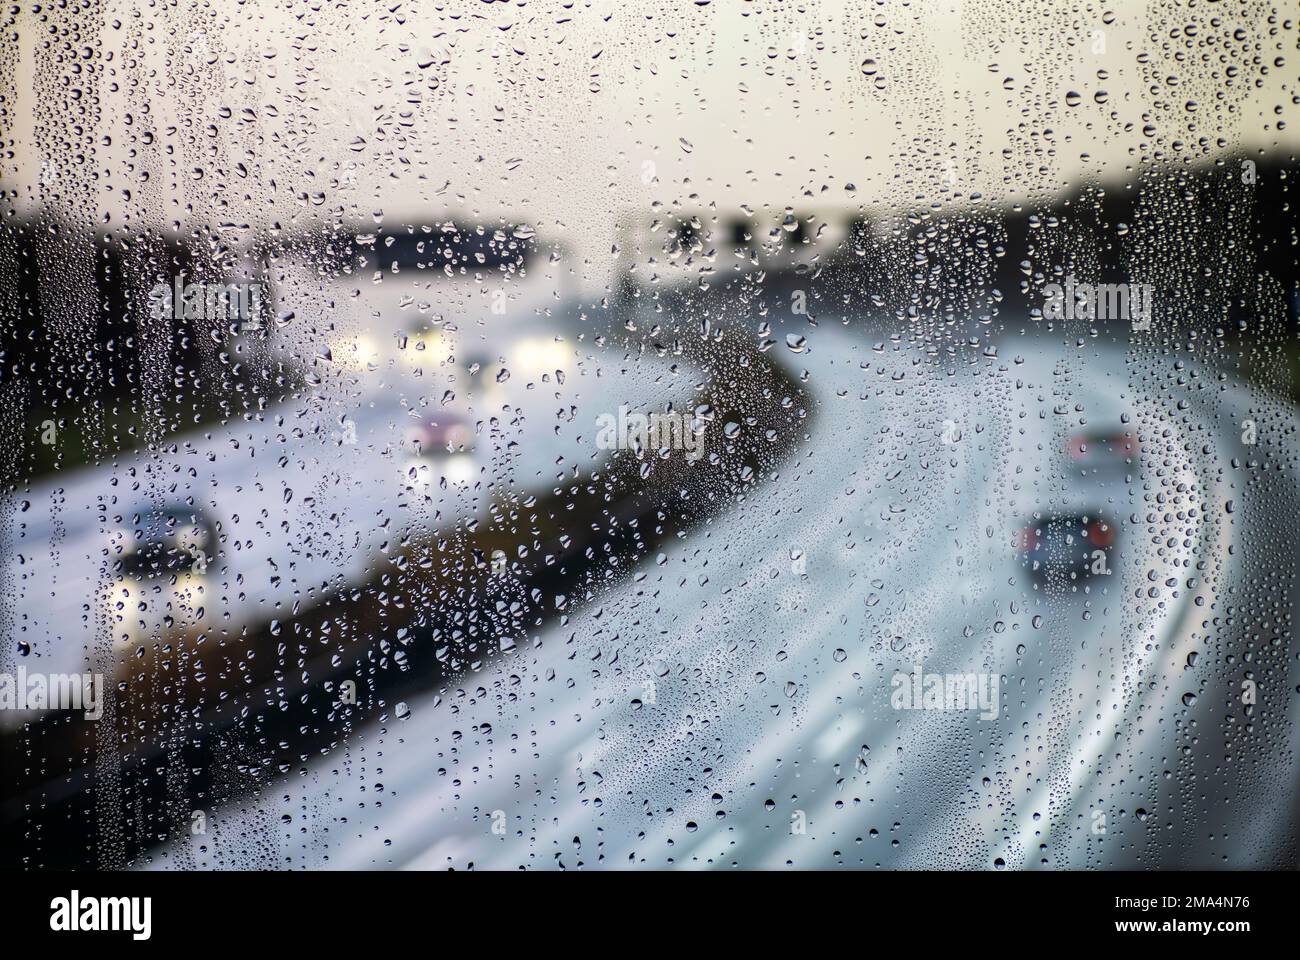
x,y
733,703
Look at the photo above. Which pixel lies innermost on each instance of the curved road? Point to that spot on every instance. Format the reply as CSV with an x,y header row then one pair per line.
x,y
731,705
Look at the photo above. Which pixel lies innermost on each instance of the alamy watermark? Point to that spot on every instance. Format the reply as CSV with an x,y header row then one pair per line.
x,y
75,913
1099,301
206,301
653,432
946,691
54,691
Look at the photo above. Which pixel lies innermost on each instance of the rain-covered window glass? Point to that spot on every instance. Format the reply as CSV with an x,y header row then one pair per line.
x,y
842,435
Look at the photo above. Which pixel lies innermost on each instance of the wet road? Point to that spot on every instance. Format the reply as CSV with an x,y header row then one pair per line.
x,y
304,499
731,705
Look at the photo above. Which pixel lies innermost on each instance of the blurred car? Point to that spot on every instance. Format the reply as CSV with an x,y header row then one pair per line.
x,y
1070,547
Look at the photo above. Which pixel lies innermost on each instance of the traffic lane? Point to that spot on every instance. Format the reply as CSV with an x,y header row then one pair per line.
x,y
1122,799
834,734
1083,811
1076,675
307,498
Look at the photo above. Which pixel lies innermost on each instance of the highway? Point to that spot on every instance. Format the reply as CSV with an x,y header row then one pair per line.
x,y
730,704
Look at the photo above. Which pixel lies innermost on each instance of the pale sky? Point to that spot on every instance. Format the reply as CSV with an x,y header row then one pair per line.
x,y
576,116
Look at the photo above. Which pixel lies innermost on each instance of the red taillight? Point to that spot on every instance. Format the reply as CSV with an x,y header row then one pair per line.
x,y
1122,446
1101,534
1025,539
